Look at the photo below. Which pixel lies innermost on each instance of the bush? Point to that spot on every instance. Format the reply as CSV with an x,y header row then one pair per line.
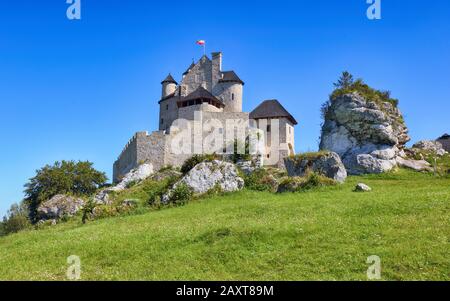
x,y
181,195
190,163
311,181
66,177
261,180
17,219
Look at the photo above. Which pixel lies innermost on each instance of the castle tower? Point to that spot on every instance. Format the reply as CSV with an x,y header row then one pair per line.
x,y
169,86
231,90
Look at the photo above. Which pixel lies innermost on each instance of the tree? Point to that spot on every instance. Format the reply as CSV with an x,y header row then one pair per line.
x,y
345,81
66,177
15,220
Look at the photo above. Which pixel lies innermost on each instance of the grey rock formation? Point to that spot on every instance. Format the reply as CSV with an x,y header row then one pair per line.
x,y
138,174
430,146
417,165
368,136
205,176
361,187
59,206
328,164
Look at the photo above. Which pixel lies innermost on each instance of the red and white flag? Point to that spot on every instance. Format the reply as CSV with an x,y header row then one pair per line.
x,y
201,42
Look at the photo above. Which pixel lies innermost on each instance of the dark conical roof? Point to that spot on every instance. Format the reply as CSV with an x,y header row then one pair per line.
x,y
169,79
230,76
271,109
444,137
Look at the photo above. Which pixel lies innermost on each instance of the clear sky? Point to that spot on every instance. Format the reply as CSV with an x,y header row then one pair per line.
x,y
80,89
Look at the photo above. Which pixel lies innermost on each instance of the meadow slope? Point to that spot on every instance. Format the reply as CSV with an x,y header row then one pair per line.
x,y
325,234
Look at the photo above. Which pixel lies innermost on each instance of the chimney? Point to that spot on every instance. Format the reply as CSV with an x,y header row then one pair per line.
x,y
217,60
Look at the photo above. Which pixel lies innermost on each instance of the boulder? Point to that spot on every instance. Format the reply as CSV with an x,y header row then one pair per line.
x,y
361,187
430,146
59,206
207,175
328,164
247,167
138,174
367,135
417,165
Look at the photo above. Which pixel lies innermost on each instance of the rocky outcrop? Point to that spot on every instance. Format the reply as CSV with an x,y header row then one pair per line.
x,y
138,174
208,175
328,164
59,206
417,165
430,146
367,135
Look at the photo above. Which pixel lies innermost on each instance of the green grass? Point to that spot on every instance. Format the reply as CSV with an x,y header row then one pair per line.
x,y
323,234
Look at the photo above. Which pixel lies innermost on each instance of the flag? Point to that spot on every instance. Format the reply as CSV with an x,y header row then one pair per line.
x,y
201,42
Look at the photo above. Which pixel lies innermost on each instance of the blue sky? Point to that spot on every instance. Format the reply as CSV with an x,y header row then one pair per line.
x,y
80,89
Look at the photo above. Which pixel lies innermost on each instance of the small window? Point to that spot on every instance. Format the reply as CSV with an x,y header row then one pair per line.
x,y
167,107
232,96
268,156
289,130
162,120
268,128
221,131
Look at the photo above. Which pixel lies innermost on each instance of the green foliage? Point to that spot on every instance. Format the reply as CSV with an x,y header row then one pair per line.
x,y
66,177
365,91
299,184
346,85
16,219
345,81
324,234
131,184
190,163
261,180
309,156
237,155
181,195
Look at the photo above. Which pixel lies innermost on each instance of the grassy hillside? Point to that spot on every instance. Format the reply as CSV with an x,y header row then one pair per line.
x,y
322,234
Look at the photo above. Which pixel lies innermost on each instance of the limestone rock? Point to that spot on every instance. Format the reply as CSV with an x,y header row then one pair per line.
x,y
368,136
361,187
417,165
138,174
205,176
328,164
430,146
59,206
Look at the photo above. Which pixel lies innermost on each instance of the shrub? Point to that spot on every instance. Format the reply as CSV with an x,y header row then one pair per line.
x,y
261,180
310,181
131,184
16,219
181,195
66,177
190,163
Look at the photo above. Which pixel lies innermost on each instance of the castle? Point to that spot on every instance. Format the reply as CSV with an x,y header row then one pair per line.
x,y
207,107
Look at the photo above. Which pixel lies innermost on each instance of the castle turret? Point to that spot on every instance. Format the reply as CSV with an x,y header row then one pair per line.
x,y
169,86
231,90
